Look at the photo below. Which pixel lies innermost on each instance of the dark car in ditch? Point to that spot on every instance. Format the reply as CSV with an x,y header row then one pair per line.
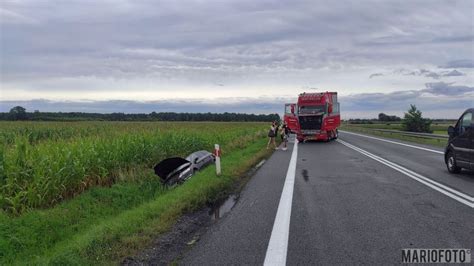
x,y
177,170
459,152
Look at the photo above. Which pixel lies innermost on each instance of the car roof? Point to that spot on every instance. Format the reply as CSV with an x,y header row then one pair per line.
x,y
201,152
469,110
198,154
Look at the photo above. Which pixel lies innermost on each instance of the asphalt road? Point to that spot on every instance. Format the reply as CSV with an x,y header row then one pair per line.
x,y
355,200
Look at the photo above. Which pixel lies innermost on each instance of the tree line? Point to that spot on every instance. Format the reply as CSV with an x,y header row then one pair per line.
x,y
19,113
388,118
412,121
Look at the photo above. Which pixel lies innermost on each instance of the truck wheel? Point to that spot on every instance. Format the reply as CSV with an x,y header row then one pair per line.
x,y
330,136
336,134
451,164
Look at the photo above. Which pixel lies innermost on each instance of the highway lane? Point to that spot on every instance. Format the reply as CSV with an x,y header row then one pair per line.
x,y
349,208
241,237
429,164
346,208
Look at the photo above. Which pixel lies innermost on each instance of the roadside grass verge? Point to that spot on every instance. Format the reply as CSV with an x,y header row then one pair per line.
x,y
394,135
438,128
104,225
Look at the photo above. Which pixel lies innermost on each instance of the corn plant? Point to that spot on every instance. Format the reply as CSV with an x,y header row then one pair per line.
x,y
43,163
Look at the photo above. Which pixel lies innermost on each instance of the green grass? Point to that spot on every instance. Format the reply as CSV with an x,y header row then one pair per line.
x,y
85,192
393,126
440,132
105,224
438,128
62,160
419,140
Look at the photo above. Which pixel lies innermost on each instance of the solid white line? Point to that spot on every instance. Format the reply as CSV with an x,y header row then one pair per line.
x,y
454,194
278,244
469,198
393,142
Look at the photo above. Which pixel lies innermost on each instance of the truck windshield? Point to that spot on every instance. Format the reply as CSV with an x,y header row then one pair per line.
x,y
312,109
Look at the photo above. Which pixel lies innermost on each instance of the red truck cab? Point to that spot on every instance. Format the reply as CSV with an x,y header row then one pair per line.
x,y
291,117
318,116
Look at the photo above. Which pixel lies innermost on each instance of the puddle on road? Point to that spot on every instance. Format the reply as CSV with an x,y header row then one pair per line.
x,y
220,208
304,173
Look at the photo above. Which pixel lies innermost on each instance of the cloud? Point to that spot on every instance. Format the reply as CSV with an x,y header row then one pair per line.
x,y
11,17
422,73
463,63
429,74
124,48
453,73
375,75
236,43
439,100
448,89
436,100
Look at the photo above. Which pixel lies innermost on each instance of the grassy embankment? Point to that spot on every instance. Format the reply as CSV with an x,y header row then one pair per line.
x,y
438,128
107,223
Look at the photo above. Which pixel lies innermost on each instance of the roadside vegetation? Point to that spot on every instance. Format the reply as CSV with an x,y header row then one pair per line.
x,y
44,163
395,127
361,128
19,113
93,198
414,122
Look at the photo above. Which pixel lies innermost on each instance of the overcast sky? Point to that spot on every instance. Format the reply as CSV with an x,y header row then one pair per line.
x,y
240,56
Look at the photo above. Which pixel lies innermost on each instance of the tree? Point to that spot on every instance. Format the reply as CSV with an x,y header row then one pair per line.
x,y
388,118
18,113
383,117
414,122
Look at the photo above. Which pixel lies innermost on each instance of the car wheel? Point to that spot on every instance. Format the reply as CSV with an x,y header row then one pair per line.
x,y
451,164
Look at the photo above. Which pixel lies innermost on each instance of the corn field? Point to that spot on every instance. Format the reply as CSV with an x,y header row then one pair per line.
x,y
42,163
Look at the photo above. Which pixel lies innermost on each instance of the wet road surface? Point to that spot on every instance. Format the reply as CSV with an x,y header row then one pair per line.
x,y
355,200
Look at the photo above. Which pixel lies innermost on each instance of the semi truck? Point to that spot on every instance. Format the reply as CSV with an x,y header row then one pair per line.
x,y
314,117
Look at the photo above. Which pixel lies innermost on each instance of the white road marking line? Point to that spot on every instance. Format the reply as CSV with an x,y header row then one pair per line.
x,y
393,142
278,244
260,164
469,198
454,194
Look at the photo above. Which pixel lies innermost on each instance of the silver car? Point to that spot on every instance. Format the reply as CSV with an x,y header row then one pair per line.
x,y
177,170
200,159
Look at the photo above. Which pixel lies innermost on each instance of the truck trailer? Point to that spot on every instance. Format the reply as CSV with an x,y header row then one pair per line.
x,y
290,118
